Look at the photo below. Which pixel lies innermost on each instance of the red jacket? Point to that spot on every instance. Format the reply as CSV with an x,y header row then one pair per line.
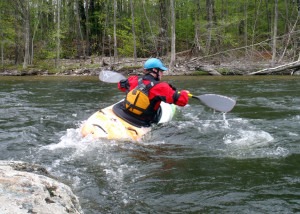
x,y
159,92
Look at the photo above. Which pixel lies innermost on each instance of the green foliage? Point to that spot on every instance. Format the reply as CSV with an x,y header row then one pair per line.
x,y
125,38
228,30
224,71
45,64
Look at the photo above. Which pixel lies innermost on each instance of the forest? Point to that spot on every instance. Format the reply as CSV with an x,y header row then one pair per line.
x,y
35,30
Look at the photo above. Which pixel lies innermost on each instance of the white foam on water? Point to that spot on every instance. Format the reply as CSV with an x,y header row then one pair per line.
x,y
185,124
248,138
245,144
69,140
225,121
278,152
106,157
151,143
293,134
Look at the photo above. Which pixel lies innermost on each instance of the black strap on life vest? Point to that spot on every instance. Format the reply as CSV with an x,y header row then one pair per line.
x,y
145,89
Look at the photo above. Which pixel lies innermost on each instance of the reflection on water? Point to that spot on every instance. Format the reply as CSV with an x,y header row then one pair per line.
x,y
201,162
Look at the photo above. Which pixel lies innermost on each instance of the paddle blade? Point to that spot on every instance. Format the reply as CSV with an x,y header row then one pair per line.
x,y
111,76
217,102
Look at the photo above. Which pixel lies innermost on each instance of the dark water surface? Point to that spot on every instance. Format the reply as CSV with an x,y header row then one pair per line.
x,y
247,161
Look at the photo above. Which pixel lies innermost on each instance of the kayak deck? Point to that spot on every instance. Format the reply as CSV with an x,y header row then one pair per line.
x,y
105,124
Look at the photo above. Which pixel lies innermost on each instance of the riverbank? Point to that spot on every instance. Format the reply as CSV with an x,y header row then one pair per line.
x,y
93,65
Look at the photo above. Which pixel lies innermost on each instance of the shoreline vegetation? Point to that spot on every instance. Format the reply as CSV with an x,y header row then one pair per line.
x,y
191,37
91,66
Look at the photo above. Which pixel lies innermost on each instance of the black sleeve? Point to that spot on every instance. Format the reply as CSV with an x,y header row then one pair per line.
x,y
172,87
176,96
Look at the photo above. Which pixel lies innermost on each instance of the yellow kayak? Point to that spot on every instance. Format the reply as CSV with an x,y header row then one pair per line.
x,y
105,124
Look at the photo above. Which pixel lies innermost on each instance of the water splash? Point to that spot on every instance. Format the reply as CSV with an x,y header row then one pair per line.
x,y
243,138
226,121
105,158
253,144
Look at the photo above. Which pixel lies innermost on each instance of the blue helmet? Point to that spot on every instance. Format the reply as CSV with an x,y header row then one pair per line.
x,y
154,63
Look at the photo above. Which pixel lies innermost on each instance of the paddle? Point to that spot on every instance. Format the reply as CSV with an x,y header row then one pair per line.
x,y
214,101
217,102
111,76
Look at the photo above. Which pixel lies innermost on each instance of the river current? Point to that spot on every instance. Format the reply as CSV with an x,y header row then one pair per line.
x,y
245,161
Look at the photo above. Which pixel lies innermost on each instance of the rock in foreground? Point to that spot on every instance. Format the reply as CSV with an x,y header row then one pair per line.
x,y
28,188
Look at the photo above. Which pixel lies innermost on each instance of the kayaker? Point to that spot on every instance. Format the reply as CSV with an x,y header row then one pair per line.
x,y
141,106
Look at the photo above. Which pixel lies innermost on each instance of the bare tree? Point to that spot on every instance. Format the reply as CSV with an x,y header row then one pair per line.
x,y
246,24
115,31
87,37
275,33
163,30
289,37
150,26
33,36
80,49
268,15
197,27
18,47
209,8
255,22
133,33
58,34
106,30
26,18
2,52
173,36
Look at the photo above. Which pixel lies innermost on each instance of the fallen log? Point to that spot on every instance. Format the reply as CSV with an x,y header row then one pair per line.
x,y
209,69
293,65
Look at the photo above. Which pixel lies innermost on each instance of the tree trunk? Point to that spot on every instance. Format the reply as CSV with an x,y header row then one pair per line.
x,y
87,37
58,35
286,25
208,69
275,33
133,34
32,40
173,36
26,35
197,28
2,52
209,5
293,65
254,26
268,15
246,24
18,49
115,31
163,32
106,30
143,37
79,36
297,4
150,26
289,37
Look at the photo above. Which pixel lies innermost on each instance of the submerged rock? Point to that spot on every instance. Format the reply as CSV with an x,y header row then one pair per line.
x,y
29,188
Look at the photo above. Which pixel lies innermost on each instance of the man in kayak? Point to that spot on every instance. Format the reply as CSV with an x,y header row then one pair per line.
x,y
141,106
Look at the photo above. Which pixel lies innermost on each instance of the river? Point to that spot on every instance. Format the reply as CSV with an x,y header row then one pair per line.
x,y
245,161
